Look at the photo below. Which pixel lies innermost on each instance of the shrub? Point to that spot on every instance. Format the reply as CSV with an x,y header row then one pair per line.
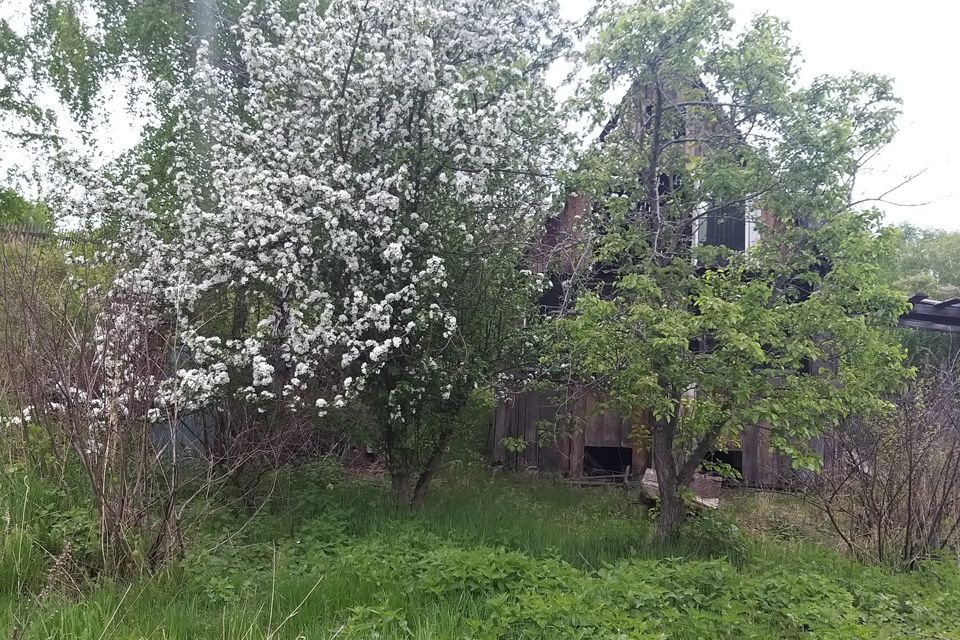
x,y
715,535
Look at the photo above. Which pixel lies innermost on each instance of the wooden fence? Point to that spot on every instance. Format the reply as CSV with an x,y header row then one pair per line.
x,y
36,235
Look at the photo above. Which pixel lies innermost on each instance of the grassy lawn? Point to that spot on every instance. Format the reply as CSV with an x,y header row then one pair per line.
x,y
486,558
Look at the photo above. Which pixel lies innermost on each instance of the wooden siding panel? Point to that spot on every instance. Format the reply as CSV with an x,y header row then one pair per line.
x,y
576,454
512,427
641,454
761,466
497,433
549,452
518,415
750,445
531,413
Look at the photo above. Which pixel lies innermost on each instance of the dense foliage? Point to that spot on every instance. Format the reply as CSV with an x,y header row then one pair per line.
x,y
15,210
485,560
928,261
355,231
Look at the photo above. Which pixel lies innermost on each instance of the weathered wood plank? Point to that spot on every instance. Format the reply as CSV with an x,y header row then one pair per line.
x,y
531,413
641,454
549,452
516,428
496,434
750,445
577,441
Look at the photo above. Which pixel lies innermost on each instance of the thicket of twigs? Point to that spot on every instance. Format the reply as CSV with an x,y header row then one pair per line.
x,y
891,484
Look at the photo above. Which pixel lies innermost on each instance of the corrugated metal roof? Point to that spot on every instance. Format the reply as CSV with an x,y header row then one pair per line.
x,y
932,315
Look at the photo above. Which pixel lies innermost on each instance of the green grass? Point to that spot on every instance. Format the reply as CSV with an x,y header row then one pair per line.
x,y
486,558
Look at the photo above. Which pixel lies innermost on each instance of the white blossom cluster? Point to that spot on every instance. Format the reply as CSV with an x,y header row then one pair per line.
x,y
111,388
328,190
18,420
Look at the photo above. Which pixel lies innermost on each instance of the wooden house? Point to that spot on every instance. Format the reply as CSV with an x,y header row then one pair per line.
x,y
578,435
593,441
584,438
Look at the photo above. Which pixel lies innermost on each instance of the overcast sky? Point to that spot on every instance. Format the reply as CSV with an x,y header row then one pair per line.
x,y
916,43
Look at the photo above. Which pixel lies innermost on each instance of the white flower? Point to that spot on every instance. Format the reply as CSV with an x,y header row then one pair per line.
x,y
393,252
262,371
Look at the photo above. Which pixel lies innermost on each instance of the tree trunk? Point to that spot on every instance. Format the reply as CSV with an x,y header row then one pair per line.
x,y
241,313
672,511
433,464
401,487
671,504
410,489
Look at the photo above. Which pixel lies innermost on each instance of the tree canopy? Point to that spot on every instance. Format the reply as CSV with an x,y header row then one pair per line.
x,y
17,210
714,129
927,261
354,232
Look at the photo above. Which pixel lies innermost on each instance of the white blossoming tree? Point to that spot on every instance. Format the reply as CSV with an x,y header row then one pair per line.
x,y
356,233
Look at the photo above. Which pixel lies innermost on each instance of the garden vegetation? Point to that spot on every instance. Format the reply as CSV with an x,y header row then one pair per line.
x,y
246,367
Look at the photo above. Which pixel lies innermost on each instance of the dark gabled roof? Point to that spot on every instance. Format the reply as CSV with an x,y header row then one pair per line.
x,y
932,315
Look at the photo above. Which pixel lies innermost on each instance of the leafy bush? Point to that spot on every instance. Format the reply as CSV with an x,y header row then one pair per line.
x,y
476,563
43,522
715,535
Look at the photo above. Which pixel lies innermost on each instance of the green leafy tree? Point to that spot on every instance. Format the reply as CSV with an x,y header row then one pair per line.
x,y
927,261
82,48
85,50
20,116
17,210
713,129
